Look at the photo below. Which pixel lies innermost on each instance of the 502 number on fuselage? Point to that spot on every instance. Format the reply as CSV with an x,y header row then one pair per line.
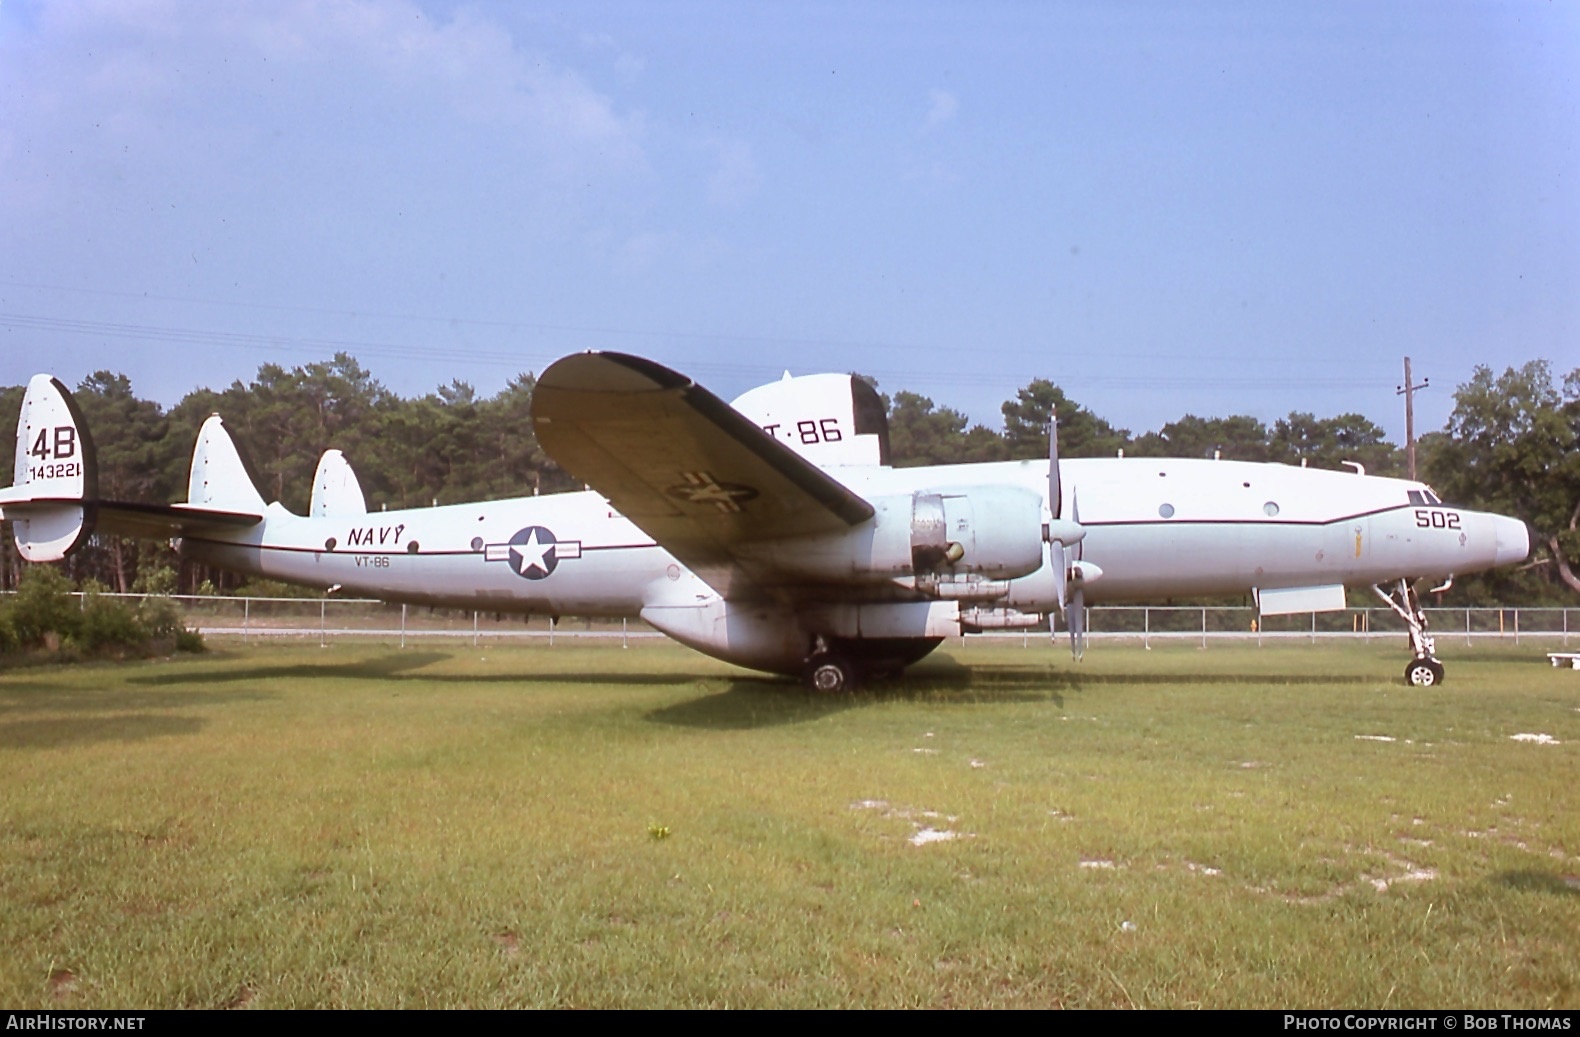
x,y
1436,518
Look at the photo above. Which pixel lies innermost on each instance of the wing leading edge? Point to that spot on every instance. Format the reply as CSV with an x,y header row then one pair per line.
x,y
689,470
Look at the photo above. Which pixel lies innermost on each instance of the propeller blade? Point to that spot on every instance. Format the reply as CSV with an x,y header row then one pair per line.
x,y
1058,560
1077,624
1075,517
1055,489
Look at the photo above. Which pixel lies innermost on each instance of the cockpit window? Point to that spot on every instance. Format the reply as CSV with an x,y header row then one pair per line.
x,y
1417,497
1431,498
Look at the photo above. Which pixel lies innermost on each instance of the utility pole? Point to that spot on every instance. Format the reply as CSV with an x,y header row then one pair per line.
x,y
1408,391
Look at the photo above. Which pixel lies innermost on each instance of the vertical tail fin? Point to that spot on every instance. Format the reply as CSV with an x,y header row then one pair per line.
x,y
336,491
52,501
220,478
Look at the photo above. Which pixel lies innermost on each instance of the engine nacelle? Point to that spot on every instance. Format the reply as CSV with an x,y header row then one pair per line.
x,y
988,531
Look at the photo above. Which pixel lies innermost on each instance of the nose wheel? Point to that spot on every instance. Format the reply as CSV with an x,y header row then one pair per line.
x,y
1424,673
1423,670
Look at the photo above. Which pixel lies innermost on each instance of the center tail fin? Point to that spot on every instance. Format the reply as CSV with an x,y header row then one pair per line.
x,y
220,479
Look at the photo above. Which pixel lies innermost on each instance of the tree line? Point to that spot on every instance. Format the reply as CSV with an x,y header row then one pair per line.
x,y
1510,446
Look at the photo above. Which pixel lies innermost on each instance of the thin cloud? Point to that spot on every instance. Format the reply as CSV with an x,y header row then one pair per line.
x,y
941,108
735,178
164,71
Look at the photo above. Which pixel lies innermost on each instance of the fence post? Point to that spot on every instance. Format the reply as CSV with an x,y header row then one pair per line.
x,y
1467,627
551,631
1204,628
403,626
474,628
1516,628
323,606
1146,628
624,633
246,619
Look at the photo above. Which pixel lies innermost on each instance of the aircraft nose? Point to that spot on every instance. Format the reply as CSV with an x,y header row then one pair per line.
x,y
1514,540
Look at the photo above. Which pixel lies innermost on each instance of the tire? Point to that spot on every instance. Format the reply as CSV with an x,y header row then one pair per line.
x,y
829,675
1424,673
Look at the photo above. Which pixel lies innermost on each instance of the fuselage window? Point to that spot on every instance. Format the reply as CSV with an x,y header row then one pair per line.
x,y
1270,509
1166,510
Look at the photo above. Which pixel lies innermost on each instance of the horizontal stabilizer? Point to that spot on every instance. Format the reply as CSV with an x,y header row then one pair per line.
x,y
156,521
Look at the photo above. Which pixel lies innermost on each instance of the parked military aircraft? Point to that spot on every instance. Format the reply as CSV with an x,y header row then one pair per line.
x,y
772,533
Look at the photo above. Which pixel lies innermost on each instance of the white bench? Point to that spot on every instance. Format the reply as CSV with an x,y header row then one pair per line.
x,y
1559,658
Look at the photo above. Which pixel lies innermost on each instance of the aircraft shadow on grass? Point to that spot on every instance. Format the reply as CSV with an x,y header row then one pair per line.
x,y
385,666
749,702
1540,882
400,666
18,700
63,732
82,716
752,702
1271,680
756,702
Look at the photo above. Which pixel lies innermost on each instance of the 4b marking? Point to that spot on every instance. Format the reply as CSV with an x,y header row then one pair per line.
x,y
55,443
53,448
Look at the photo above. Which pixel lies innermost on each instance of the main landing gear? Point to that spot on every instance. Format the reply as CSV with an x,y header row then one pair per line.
x,y
829,673
1423,670
835,665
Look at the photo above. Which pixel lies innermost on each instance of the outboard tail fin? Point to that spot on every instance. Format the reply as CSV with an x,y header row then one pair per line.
x,y
220,479
53,500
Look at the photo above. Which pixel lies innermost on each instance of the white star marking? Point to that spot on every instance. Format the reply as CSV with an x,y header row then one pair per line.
x,y
712,493
531,554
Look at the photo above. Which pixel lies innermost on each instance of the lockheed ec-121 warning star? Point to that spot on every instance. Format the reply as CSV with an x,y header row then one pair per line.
x,y
772,533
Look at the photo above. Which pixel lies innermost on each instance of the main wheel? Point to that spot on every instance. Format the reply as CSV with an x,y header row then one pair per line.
x,y
829,674
1424,673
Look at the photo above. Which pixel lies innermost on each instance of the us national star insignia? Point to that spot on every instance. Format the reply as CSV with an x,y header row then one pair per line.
x,y
533,552
703,488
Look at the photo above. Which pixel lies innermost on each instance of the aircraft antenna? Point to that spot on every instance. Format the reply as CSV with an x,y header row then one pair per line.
x,y
1408,391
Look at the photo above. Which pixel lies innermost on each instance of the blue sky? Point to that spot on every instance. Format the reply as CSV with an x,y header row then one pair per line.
x,y
1206,208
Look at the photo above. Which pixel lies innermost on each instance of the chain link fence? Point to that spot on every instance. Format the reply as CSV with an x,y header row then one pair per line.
x,y
330,618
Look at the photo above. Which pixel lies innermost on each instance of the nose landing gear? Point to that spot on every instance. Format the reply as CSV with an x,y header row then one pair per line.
x,y
1423,671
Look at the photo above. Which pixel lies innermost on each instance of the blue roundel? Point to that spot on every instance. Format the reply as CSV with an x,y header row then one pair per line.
x,y
532,553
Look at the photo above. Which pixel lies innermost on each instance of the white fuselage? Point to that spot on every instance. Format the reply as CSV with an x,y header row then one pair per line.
x,y
1157,529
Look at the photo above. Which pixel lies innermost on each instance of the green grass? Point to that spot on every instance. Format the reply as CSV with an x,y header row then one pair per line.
x,y
588,826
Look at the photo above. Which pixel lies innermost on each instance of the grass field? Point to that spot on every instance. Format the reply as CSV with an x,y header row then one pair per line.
x,y
361,825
